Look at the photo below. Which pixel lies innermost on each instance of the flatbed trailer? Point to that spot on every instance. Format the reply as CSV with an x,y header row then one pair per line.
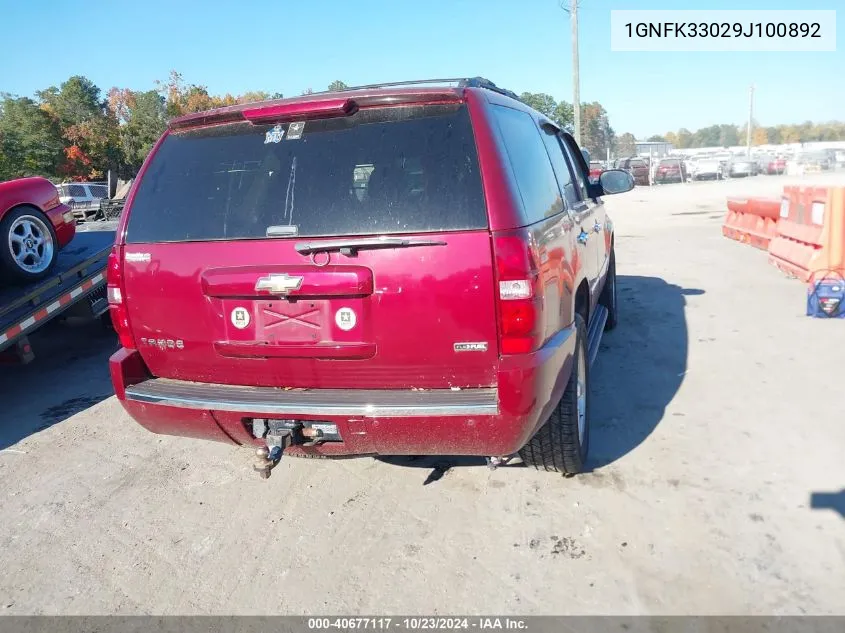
x,y
77,286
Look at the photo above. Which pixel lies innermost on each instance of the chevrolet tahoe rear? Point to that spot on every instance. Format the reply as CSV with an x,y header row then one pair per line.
x,y
376,271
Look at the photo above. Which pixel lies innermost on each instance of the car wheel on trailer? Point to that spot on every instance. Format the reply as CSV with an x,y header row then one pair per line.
x,y
561,444
29,246
608,293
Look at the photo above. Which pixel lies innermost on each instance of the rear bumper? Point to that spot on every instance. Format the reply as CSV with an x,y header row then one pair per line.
x,y
64,230
486,421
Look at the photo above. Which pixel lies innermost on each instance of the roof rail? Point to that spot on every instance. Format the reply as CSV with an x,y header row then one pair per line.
x,y
481,82
460,82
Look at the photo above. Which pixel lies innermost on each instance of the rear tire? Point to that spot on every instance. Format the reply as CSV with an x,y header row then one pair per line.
x,y
608,294
561,444
28,245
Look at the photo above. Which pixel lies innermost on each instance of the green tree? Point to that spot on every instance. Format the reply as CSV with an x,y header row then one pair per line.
x,y
76,101
256,95
337,85
145,122
707,137
596,134
728,136
672,138
559,112
30,140
657,138
684,138
564,115
626,145
92,144
543,103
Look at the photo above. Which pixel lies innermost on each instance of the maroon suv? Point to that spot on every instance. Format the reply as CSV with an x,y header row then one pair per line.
x,y
637,167
385,270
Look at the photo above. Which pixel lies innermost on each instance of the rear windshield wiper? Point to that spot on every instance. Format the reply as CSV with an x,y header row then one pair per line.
x,y
351,247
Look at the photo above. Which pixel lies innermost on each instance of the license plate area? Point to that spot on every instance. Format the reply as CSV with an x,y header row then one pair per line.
x,y
280,321
305,322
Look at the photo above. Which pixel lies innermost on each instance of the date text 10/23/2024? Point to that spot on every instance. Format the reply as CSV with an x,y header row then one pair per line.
x,y
417,623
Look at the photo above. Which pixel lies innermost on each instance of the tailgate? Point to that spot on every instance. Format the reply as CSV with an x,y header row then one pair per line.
x,y
383,319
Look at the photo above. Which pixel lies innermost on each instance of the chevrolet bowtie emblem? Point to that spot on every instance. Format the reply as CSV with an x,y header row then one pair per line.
x,y
279,284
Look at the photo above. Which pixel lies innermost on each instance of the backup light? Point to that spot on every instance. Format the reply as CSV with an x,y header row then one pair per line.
x,y
515,289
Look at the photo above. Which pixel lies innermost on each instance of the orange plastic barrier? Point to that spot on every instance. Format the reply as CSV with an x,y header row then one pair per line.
x,y
752,220
810,232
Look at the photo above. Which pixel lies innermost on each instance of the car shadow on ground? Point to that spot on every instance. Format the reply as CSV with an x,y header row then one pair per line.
x,y
69,374
640,366
829,501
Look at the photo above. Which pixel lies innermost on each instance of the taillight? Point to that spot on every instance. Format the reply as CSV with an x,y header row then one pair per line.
x,y
117,298
520,293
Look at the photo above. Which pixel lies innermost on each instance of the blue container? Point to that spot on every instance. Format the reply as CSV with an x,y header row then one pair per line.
x,y
826,299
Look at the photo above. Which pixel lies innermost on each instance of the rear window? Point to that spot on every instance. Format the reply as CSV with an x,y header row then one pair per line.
x,y
385,170
75,191
637,163
97,191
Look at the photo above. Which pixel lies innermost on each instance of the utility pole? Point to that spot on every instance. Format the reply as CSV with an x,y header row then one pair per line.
x,y
576,89
750,117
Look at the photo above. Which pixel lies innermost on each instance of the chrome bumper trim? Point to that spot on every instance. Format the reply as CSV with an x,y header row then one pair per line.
x,y
368,403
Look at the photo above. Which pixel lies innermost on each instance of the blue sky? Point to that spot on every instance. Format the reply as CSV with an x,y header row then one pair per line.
x,y
523,45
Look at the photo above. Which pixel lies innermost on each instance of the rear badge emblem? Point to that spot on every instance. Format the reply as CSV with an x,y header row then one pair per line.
x,y
275,135
471,347
279,284
345,319
240,317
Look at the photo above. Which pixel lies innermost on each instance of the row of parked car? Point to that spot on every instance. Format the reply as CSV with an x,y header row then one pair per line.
x,y
691,168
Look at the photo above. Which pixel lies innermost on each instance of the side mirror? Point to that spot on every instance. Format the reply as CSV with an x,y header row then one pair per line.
x,y
616,181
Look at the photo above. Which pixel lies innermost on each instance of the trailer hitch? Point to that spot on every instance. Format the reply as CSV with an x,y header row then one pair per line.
x,y
267,457
279,435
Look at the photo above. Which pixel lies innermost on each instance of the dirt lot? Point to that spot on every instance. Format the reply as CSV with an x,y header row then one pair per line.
x,y
717,414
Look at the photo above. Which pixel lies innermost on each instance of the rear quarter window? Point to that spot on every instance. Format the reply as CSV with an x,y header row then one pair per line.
x,y
383,170
97,191
75,191
530,163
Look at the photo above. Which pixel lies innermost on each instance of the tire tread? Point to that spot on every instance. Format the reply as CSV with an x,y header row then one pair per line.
x,y
556,447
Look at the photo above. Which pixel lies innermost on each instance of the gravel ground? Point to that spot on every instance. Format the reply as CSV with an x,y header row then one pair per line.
x,y
716,415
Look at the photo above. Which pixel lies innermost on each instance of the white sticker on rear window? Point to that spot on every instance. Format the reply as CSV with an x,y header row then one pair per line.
x,y
295,130
275,135
240,317
345,319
